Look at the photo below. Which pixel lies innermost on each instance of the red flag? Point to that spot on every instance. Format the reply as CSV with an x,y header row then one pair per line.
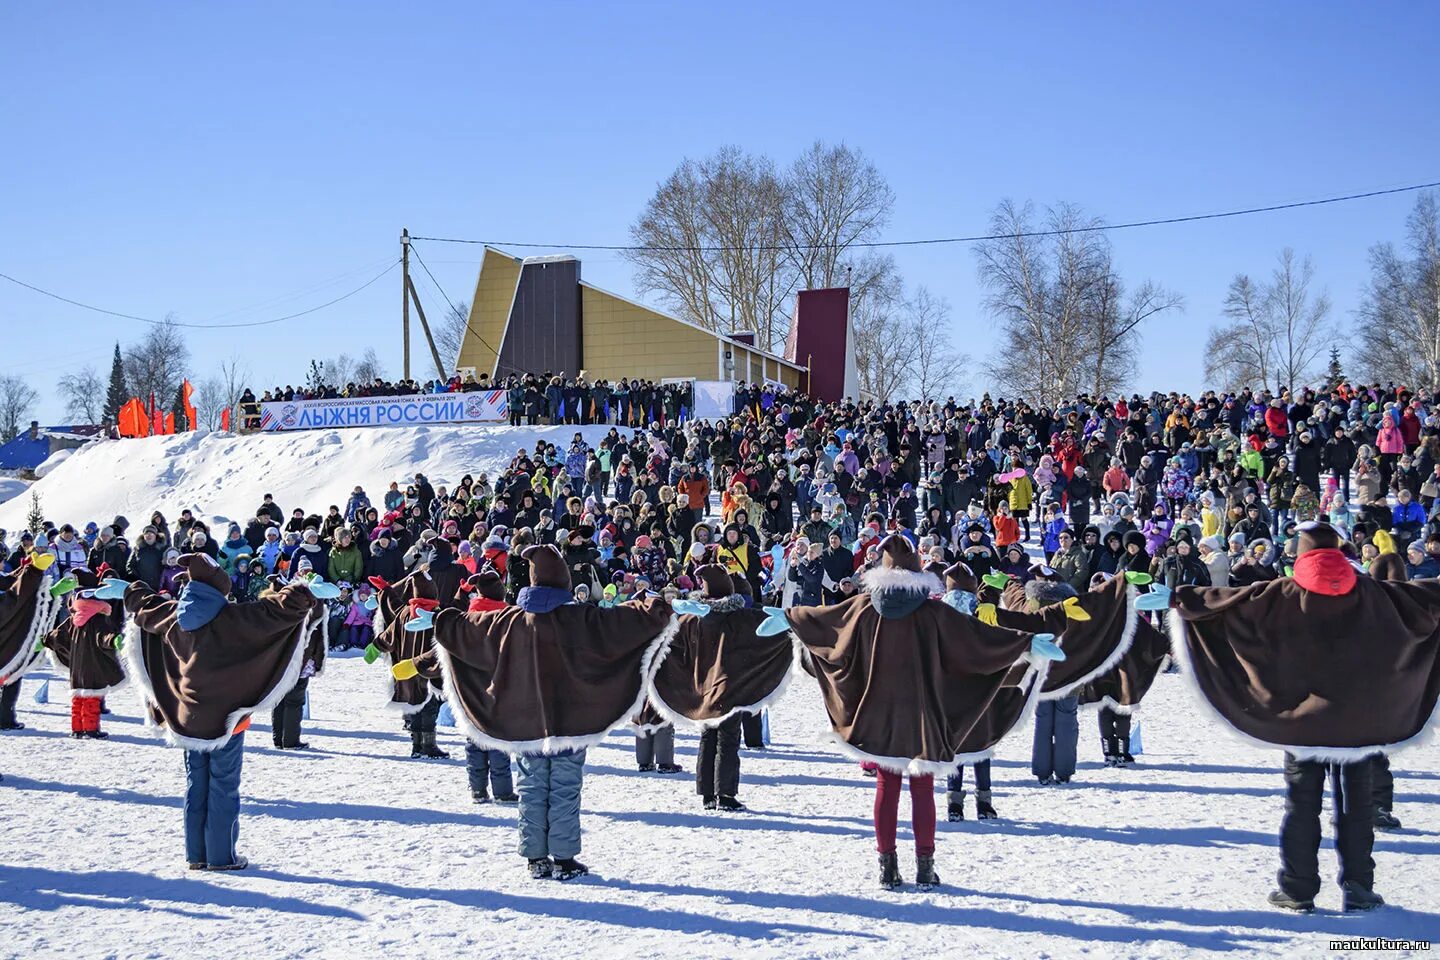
x,y
133,420
186,392
225,419
169,423
157,419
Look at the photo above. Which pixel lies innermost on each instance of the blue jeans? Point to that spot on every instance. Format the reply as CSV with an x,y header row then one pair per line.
x,y
550,804
1057,732
212,803
494,764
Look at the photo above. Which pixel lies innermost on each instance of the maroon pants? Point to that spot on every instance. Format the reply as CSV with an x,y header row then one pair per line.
x,y
922,812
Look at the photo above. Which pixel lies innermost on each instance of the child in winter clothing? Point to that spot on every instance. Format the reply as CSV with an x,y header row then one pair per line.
x,y
960,586
358,628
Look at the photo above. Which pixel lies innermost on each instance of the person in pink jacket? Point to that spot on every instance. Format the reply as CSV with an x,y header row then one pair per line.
x,y
1391,444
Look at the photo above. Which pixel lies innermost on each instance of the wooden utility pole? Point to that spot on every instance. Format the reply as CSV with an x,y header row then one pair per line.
x,y
405,295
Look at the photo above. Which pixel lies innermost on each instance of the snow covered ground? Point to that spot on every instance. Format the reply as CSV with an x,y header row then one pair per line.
x,y
222,476
359,851
11,488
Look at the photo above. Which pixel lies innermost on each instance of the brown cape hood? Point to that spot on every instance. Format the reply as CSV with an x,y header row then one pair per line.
x,y
549,682
26,612
909,692
1332,678
716,666
200,685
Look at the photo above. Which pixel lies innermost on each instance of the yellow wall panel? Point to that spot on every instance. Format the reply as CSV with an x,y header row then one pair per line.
x,y
489,309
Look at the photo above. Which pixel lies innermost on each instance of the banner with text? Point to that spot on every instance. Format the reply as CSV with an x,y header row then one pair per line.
x,y
485,406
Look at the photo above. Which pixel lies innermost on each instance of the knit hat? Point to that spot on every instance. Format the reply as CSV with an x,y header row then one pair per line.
x,y
547,567
715,581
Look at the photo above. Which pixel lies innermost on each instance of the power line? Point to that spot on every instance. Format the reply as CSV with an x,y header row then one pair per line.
x,y
1095,228
199,326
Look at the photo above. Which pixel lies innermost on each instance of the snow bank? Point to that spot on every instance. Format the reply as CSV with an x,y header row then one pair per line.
x,y
11,488
222,476
53,461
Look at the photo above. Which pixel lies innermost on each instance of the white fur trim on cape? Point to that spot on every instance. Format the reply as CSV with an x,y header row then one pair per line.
x,y
135,657
549,745
61,671
893,578
42,620
915,767
1127,637
1180,650
665,710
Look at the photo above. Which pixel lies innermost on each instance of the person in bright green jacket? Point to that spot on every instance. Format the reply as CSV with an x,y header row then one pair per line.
x,y
347,563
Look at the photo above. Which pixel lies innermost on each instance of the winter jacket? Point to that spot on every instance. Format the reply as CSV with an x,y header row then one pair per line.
x,y
346,565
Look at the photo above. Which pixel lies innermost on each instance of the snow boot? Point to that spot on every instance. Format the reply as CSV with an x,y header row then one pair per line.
x,y
925,876
669,768
957,806
730,805
430,749
1124,749
647,768
1283,900
507,798
889,871
983,807
12,725
240,864
195,865
1112,751
1359,898
96,735
480,796
417,741
568,868
541,868
1385,820
710,803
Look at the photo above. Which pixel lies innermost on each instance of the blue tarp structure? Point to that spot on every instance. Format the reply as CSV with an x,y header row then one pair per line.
x,y
30,448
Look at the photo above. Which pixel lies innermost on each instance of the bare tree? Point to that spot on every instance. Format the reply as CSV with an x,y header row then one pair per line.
x,y
835,198
1401,309
883,353
369,369
16,399
156,364
449,332
937,365
1277,331
712,242
84,395
219,391
1115,317
1066,324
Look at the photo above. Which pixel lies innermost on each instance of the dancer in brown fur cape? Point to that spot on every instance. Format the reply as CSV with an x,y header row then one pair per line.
x,y
905,680
27,611
83,649
545,680
715,671
1332,668
205,665
417,696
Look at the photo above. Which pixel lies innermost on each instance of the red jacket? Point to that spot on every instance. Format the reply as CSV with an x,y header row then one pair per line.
x,y
1277,422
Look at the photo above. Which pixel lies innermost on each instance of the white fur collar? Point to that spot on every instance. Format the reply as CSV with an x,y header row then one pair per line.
x,y
880,579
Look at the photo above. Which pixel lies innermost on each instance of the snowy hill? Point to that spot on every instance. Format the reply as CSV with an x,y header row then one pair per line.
x,y
222,476
358,851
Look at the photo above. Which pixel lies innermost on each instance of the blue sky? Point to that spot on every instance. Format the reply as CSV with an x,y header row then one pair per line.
x,y
208,158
